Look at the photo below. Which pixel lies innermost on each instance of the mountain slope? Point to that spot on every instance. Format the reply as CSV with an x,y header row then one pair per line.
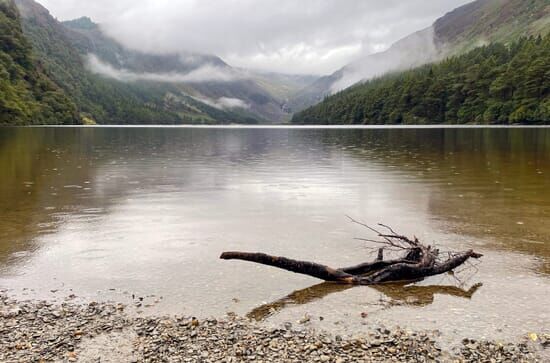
x,y
107,100
492,84
203,77
486,21
108,83
461,30
27,95
413,50
99,99
87,37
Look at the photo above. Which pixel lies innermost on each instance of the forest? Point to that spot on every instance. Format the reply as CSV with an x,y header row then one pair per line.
x,y
27,95
44,80
492,84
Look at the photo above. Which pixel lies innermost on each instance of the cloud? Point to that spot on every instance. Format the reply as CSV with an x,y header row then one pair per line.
x,y
228,102
207,73
417,49
291,36
224,103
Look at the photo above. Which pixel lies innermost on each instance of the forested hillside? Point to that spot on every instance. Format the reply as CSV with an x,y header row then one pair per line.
x,y
99,99
260,95
27,95
469,26
45,81
493,84
47,76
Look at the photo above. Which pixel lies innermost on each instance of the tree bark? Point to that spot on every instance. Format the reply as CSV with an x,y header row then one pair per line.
x,y
302,267
418,263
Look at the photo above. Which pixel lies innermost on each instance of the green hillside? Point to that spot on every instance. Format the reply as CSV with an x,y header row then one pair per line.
x,y
494,84
45,78
261,94
474,24
27,95
100,99
37,91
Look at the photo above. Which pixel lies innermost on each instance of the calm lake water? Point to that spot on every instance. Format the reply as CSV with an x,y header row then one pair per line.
x,y
104,213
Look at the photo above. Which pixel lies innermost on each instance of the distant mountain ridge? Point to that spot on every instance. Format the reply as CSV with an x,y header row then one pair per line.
x,y
109,83
87,37
462,29
73,71
217,81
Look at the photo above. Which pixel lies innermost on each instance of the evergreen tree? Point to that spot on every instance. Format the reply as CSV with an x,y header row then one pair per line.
x,y
493,84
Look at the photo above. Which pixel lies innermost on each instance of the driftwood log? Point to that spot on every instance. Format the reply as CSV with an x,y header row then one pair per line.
x,y
417,262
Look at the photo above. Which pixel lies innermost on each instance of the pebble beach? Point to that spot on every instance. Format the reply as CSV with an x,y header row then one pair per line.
x,y
42,331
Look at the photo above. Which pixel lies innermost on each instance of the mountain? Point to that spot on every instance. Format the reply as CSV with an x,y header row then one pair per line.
x,y
27,94
74,71
107,99
88,38
486,21
108,83
205,78
493,84
463,29
98,99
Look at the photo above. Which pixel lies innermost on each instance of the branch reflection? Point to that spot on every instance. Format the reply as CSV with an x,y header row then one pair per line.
x,y
399,294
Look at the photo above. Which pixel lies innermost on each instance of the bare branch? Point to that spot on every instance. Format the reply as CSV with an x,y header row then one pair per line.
x,y
388,228
367,226
418,262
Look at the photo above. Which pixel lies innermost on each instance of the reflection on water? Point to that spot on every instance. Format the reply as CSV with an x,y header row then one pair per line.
x,y
398,294
298,297
149,210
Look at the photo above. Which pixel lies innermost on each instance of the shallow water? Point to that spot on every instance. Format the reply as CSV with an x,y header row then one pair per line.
x,y
105,213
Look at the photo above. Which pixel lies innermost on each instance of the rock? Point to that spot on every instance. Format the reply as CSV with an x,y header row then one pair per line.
x,y
43,331
305,319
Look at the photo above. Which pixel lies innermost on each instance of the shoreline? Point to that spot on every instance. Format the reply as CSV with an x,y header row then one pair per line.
x,y
46,331
296,126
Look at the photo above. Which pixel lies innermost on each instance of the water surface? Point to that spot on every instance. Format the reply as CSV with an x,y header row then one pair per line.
x,y
104,213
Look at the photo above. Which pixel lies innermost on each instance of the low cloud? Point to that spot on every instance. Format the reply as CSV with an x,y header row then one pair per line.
x,y
412,51
228,102
289,36
224,103
206,73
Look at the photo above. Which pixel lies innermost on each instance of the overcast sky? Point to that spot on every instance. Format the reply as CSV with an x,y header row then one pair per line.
x,y
289,36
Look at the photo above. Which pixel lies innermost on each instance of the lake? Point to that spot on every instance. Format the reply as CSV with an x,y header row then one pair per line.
x,y
104,213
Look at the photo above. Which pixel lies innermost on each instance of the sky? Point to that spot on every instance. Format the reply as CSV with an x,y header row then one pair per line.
x,y
286,36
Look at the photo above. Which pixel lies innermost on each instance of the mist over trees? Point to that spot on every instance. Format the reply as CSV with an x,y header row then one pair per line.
x,y
493,84
45,79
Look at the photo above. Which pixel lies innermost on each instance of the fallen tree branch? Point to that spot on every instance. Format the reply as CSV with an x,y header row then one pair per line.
x,y
302,267
418,262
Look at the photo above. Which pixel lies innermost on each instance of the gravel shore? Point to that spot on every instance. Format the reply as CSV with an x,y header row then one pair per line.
x,y
35,331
